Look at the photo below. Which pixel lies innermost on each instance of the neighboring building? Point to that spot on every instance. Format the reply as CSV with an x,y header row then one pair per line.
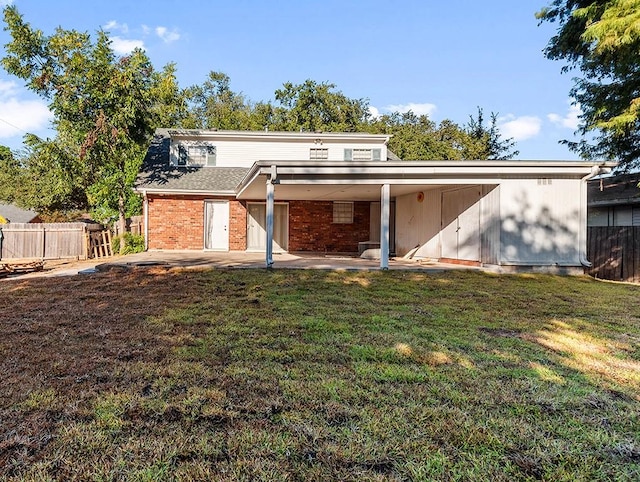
x,y
614,200
13,214
340,193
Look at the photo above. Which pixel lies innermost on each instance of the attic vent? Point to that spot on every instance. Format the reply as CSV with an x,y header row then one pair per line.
x,y
544,181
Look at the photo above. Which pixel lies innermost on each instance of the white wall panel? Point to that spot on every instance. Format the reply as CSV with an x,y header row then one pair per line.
x,y
540,221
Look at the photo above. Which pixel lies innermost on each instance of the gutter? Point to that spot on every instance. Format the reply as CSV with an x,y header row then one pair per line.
x,y
595,171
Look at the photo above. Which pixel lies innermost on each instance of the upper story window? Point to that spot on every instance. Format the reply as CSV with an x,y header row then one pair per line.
x,y
363,154
196,155
318,153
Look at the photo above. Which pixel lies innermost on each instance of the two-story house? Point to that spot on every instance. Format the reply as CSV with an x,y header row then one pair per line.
x,y
339,192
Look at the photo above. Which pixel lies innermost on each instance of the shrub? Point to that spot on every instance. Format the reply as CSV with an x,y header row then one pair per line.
x,y
133,243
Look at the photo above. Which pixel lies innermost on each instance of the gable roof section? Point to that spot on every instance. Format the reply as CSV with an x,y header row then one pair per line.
x,y
14,214
159,176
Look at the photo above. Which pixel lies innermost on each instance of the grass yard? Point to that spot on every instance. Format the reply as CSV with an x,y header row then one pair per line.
x,y
155,374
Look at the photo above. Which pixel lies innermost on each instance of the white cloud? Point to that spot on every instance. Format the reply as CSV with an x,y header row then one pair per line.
x,y
571,118
520,128
125,46
166,35
375,113
146,29
20,116
418,109
7,88
112,25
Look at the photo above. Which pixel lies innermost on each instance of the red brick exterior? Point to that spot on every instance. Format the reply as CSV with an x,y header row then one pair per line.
x,y
237,225
311,227
177,222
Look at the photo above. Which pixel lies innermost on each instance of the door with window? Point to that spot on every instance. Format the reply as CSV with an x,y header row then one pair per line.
x,y
216,225
257,227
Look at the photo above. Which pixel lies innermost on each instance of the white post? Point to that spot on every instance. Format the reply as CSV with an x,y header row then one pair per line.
x,y
384,226
270,198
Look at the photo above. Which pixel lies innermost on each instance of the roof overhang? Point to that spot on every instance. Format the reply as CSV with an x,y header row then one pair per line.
x,y
332,180
351,137
183,192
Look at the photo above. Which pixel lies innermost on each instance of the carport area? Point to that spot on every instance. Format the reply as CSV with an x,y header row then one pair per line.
x,y
484,213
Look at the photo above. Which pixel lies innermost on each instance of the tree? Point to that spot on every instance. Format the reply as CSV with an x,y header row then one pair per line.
x,y
602,39
419,138
213,105
104,106
495,148
313,106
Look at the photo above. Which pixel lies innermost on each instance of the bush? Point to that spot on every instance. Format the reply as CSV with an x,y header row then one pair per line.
x,y
133,243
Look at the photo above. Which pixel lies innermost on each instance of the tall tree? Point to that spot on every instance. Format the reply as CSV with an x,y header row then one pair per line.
x,y
416,137
104,108
313,106
213,105
495,147
602,39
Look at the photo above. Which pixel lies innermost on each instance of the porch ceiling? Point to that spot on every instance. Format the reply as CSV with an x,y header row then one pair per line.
x,y
328,192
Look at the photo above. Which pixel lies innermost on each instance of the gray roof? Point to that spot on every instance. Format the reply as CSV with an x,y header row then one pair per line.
x,y
158,174
614,190
14,214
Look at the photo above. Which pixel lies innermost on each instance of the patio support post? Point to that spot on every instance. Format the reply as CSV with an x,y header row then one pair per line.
x,y
384,226
271,181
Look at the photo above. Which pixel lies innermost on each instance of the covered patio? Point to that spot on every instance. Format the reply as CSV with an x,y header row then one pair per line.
x,y
521,212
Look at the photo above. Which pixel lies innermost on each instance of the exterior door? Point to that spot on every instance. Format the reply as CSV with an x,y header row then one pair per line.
x,y
216,225
257,227
460,233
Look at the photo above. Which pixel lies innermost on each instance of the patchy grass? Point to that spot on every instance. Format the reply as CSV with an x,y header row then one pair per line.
x,y
155,374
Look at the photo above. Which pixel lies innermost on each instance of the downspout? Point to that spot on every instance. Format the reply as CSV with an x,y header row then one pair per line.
x,y
595,170
145,214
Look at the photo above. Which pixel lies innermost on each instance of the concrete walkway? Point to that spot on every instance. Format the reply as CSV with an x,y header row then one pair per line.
x,y
197,259
210,259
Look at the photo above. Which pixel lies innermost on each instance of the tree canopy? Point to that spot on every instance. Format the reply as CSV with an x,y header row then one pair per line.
x,y
104,106
602,39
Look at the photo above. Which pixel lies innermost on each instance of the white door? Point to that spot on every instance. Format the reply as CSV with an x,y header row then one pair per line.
x,y
216,225
460,233
257,227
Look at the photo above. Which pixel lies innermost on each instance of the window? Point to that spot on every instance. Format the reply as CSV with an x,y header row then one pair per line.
x,y
196,155
317,153
342,212
363,154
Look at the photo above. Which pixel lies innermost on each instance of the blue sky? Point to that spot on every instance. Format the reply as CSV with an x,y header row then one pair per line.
x,y
440,58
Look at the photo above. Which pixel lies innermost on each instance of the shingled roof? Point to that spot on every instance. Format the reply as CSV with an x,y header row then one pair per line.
x,y
614,190
14,214
159,175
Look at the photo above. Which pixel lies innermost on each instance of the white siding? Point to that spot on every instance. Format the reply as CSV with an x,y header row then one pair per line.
x,y
245,152
540,221
418,224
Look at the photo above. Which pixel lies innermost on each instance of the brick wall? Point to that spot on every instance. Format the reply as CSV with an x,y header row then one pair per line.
x,y
237,225
177,222
311,227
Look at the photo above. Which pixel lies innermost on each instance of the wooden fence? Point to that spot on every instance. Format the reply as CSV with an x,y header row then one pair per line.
x,y
43,241
614,252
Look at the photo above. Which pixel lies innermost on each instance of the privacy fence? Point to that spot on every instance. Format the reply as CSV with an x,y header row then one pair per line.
x,y
614,252
43,241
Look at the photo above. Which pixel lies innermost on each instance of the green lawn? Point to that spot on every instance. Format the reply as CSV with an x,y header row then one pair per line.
x,y
310,375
